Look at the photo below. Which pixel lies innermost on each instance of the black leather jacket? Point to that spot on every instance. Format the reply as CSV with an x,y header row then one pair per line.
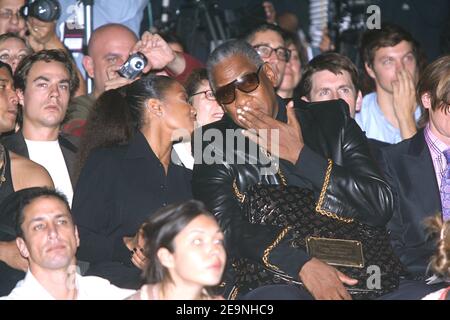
x,y
335,162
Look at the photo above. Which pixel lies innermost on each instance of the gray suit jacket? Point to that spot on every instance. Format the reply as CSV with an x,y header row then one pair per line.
x,y
69,147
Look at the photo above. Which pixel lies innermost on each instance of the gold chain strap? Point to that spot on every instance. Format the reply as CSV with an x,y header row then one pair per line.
x,y
265,257
322,197
237,193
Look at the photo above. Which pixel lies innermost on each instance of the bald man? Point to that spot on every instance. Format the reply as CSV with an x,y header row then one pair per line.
x,y
109,47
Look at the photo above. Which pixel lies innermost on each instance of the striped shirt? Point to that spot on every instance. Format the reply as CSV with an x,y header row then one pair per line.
x,y
437,149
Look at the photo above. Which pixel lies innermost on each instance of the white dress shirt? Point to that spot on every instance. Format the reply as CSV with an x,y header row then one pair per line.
x,y
88,288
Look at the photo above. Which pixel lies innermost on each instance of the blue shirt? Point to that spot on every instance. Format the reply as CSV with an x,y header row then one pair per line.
x,y
372,120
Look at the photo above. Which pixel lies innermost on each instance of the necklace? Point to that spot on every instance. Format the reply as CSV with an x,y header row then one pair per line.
x,y
3,156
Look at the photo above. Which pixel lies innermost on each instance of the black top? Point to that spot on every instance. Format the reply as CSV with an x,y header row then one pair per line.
x,y
8,275
6,188
118,189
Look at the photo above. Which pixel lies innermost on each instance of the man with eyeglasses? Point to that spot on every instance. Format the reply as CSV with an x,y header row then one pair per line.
x,y
267,39
320,147
10,18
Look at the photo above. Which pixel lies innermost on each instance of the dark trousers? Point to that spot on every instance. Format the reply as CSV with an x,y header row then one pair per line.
x,y
407,290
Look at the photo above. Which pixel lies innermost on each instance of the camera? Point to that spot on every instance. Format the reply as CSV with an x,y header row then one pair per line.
x,y
44,10
133,67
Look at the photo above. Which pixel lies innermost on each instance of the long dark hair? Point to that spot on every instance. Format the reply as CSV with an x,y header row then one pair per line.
x,y
118,113
160,231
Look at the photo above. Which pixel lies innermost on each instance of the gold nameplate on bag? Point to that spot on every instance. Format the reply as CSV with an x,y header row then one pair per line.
x,y
336,252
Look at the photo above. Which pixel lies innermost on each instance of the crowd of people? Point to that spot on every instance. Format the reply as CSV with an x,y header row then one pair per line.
x,y
139,189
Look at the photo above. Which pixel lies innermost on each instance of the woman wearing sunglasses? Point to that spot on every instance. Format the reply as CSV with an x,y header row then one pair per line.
x,y
130,173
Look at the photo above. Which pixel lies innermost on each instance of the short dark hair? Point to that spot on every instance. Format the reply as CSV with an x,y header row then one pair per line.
x,y
262,28
195,80
27,196
435,80
389,35
20,77
331,61
160,231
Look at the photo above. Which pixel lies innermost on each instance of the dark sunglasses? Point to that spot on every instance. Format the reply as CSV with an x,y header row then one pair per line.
x,y
247,83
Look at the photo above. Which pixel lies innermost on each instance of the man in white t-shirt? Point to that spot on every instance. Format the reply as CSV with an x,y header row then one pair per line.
x,y
45,81
48,238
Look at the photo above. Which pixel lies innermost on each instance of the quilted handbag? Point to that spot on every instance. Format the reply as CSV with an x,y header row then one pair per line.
x,y
356,249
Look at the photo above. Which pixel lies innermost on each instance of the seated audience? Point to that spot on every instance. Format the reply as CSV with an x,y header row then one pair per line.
x,y
48,238
186,257
45,81
391,58
119,186
17,173
417,170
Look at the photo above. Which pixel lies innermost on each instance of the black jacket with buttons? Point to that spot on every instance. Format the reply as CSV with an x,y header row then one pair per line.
x,y
333,140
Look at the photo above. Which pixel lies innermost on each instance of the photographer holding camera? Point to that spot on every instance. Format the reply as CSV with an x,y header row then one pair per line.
x,y
40,19
109,49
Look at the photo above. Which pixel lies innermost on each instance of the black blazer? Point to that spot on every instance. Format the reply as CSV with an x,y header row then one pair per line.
x,y
69,147
410,172
356,188
118,188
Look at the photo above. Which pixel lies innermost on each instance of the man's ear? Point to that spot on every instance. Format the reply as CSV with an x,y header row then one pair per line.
x,y
426,100
77,237
166,258
155,107
22,247
369,71
88,64
270,74
19,93
359,99
305,98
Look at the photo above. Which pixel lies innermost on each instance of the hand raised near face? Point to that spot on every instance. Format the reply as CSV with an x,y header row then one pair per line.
x,y
404,102
156,50
262,129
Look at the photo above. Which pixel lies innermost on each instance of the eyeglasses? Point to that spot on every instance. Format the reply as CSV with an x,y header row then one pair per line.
x,y
247,83
265,52
7,14
209,95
